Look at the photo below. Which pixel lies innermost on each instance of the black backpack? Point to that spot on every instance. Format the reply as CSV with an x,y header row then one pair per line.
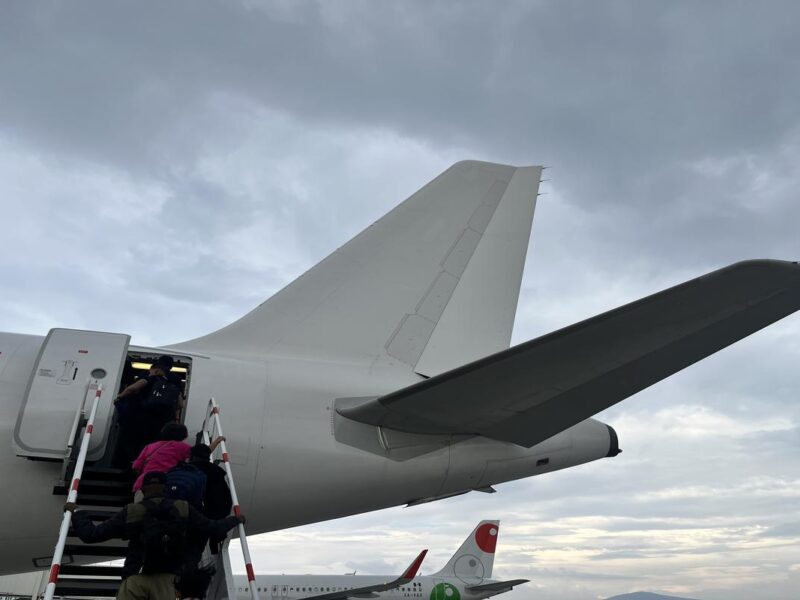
x,y
163,536
163,395
218,502
186,482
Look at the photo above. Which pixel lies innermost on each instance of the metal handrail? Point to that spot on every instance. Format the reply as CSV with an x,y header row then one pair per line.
x,y
76,422
212,413
58,553
72,439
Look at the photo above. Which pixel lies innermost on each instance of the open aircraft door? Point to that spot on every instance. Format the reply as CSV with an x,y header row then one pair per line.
x,y
58,387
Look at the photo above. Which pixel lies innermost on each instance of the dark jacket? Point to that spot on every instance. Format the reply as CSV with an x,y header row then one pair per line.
x,y
217,502
127,524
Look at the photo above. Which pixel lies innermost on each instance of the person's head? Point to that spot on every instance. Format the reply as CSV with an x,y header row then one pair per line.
x,y
153,484
162,365
174,432
200,453
193,582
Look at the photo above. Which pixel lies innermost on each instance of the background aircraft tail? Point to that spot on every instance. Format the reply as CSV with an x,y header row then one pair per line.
x,y
475,558
433,284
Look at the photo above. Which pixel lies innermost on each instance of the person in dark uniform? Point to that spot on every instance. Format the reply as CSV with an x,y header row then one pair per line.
x,y
145,406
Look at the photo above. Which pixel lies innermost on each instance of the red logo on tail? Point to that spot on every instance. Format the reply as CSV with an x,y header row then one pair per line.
x,y
486,537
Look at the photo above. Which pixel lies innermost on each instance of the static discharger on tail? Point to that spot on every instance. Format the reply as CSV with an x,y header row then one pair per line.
x,y
468,574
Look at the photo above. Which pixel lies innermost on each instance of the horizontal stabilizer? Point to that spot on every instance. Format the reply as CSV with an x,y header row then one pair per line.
x,y
497,586
370,591
533,391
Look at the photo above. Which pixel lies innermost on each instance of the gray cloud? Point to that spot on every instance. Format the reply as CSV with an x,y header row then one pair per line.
x,y
192,158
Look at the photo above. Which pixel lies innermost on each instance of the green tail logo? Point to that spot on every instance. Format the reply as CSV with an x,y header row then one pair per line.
x,y
445,591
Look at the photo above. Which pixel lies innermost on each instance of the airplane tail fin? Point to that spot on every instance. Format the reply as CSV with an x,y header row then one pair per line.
x,y
475,558
433,284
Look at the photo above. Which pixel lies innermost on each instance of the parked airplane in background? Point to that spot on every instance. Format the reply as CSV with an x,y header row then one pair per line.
x,y
382,376
468,574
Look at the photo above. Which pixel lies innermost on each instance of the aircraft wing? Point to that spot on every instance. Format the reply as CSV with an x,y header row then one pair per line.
x,y
369,591
535,390
497,586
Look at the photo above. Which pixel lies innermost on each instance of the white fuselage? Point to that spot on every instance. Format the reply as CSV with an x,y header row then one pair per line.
x,y
289,466
296,587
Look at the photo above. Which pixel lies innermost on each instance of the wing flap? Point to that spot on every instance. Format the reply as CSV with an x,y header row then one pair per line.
x,y
530,392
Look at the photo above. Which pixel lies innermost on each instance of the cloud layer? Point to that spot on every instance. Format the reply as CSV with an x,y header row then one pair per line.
x,y
163,169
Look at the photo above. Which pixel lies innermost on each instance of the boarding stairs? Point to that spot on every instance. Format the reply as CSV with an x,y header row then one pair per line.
x,y
100,492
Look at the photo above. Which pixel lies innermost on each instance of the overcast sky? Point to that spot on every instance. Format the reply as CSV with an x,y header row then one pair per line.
x,y
166,166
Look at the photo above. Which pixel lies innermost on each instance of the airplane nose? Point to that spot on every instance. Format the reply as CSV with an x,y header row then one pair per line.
x,y
613,446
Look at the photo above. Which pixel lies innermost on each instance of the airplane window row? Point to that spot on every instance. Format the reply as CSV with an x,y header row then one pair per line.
x,y
300,589
283,591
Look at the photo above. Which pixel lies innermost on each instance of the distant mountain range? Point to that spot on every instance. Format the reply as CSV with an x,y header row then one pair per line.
x,y
646,596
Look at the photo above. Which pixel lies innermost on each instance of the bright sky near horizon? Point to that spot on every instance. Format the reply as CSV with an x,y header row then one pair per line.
x,y
166,167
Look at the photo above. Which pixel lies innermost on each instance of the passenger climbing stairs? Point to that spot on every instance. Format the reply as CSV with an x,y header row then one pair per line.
x,y
100,492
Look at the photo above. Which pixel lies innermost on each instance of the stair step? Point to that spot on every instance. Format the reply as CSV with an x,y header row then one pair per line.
x,y
104,500
94,486
110,475
87,587
107,473
90,571
95,550
104,474
106,483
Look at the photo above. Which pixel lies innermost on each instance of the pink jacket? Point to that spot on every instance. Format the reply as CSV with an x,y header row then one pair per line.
x,y
159,456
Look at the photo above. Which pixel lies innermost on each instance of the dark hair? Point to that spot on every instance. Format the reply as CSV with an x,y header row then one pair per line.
x,y
192,582
200,452
175,432
164,363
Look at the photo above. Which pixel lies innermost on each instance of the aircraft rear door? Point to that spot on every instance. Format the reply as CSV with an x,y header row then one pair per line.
x,y
69,358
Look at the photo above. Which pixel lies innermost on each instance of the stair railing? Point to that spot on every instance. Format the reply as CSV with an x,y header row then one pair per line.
x,y
76,421
72,439
63,533
212,415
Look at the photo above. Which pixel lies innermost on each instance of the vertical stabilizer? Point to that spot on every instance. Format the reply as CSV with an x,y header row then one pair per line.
x,y
432,285
474,559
